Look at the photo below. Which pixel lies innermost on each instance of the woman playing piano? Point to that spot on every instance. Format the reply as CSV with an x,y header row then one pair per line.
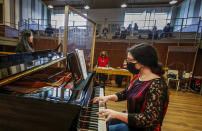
x,y
26,40
147,94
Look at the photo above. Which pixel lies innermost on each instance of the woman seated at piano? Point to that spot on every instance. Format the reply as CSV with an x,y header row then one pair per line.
x,y
147,95
26,42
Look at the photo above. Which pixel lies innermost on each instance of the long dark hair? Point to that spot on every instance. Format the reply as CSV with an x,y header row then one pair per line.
x,y
146,55
25,34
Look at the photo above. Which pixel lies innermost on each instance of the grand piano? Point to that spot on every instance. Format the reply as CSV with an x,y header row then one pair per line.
x,y
46,91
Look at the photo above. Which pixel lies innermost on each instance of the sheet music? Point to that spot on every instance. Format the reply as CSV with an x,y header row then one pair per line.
x,y
80,55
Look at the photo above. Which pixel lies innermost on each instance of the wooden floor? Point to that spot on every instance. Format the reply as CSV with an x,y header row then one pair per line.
x,y
184,110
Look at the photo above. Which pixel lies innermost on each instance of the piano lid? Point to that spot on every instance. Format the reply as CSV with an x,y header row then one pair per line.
x,y
13,67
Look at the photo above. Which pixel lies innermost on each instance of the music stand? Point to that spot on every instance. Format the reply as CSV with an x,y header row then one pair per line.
x,y
73,65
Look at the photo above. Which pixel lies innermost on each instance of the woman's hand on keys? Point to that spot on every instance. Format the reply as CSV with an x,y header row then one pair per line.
x,y
101,100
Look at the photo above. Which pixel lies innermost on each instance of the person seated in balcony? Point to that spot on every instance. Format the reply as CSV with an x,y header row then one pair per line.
x,y
98,36
26,42
123,33
49,30
150,34
105,31
117,33
166,31
135,29
153,34
129,29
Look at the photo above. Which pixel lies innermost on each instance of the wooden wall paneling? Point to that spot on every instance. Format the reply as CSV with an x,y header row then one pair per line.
x,y
44,44
181,59
186,44
162,49
117,52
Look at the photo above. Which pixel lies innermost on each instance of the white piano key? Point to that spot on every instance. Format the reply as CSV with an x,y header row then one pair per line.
x,y
22,67
13,70
101,122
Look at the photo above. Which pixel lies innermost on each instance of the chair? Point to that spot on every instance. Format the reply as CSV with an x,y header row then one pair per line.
x,y
173,75
186,76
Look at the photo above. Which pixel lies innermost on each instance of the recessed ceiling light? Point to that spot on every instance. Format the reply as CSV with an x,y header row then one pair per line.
x,y
123,5
86,7
50,6
173,2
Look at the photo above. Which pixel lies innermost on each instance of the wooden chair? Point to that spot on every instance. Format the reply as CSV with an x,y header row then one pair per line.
x,y
175,77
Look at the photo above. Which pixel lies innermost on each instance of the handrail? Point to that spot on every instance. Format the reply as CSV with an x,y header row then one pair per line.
x,y
181,27
6,53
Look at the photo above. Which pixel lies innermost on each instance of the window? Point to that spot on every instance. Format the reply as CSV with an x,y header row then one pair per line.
x,y
77,20
132,18
146,20
74,20
60,18
161,20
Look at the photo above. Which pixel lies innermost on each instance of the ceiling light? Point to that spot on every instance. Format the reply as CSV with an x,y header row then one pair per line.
x,y
86,7
50,6
173,2
123,5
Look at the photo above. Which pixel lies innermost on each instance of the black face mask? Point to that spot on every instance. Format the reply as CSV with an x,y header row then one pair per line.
x,y
131,68
102,56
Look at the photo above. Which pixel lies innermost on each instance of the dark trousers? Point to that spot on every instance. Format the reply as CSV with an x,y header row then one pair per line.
x,y
117,125
102,77
119,79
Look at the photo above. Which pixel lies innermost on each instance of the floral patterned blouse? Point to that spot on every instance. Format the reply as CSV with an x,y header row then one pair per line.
x,y
147,103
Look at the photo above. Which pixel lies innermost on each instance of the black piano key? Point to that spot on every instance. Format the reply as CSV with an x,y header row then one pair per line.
x,y
89,116
88,125
90,110
89,119
89,128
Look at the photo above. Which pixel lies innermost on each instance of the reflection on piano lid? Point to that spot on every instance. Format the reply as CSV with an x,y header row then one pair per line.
x,y
16,63
53,94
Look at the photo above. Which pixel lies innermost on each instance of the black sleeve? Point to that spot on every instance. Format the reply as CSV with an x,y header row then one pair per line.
x,y
153,113
121,95
20,48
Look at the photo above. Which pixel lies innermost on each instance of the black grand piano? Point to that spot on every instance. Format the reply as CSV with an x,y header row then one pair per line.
x,y
45,91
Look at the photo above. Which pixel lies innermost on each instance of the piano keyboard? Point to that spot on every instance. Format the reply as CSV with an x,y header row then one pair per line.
x,y
89,119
